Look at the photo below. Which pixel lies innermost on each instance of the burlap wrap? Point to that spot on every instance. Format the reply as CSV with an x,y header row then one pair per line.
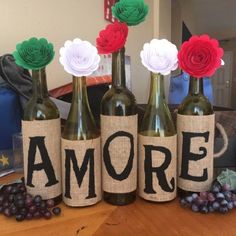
x,y
158,158
196,124
119,151
50,130
79,195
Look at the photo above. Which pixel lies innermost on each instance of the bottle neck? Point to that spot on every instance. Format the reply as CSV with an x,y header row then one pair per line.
x,y
118,68
195,86
157,91
40,89
80,97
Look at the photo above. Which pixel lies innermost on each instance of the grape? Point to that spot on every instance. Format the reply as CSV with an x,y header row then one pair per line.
x,y
37,215
199,201
228,195
8,189
230,205
37,199
43,205
223,210
211,197
7,212
14,190
11,198
224,203
220,196
204,210
23,211
216,205
56,211
233,197
5,204
226,187
20,217
211,209
195,208
47,214
189,199
20,203
50,203
32,209
194,196
13,209
29,216
1,199
215,189
28,201
204,195
1,209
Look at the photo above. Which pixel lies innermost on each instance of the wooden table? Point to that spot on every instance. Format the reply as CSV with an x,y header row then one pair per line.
x,y
140,218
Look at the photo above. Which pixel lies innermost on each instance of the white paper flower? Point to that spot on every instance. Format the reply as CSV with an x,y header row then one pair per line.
x,y
160,56
79,58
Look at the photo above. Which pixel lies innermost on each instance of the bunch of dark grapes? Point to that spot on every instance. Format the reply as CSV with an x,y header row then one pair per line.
x,y
219,199
16,202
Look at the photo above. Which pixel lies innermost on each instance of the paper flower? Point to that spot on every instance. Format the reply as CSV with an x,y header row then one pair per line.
x,y
112,38
34,53
79,58
132,12
160,56
200,56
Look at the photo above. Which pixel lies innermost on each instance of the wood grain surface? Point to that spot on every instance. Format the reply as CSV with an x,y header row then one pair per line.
x,y
140,218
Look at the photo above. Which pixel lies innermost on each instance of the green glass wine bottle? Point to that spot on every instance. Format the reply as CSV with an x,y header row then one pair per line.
x,y
157,147
41,130
82,137
195,129
119,137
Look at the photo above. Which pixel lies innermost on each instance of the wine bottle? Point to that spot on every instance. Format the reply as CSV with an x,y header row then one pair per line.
x,y
41,141
119,137
81,168
195,129
157,147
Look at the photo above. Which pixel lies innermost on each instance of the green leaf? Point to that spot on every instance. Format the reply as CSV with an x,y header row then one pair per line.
x,y
228,177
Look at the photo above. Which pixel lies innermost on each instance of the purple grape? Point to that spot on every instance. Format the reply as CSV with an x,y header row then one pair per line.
x,y
228,195
20,203
223,210
43,205
220,196
56,211
20,217
216,205
28,195
230,205
23,211
224,203
29,216
195,208
233,197
50,203
194,196
5,204
47,214
183,202
7,212
32,209
199,201
37,199
211,197
226,187
1,209
29,201
234,202
14,190
8,189
13,209
189,199
37,215
1,199
211,209
203,195
204,210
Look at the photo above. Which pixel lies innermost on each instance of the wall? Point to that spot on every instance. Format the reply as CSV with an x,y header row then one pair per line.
x,y
230,45
66,19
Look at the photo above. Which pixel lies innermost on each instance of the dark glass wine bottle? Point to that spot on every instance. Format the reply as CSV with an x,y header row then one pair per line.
x,y
81,135
42,120
157,131
194,104
119,114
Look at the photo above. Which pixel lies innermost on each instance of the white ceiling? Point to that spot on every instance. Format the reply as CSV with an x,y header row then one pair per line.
x,y
215,17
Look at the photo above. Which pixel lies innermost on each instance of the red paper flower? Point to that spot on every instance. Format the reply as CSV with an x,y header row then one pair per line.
x,y
200,56
112,38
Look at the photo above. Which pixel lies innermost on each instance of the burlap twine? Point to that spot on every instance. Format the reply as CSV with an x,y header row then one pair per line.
x,y
196,124
79,194
119,150
158,159
51,130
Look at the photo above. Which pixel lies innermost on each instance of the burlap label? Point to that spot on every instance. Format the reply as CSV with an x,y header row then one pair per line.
x,y
119,151
42,157
195,152
157,168
81,172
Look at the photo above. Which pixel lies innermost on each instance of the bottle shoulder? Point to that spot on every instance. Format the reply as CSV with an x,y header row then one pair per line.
x,y
118,101
41,109
195,105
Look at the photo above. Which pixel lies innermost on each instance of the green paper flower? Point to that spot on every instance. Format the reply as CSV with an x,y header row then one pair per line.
x,y
34,53
228,177
132,12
